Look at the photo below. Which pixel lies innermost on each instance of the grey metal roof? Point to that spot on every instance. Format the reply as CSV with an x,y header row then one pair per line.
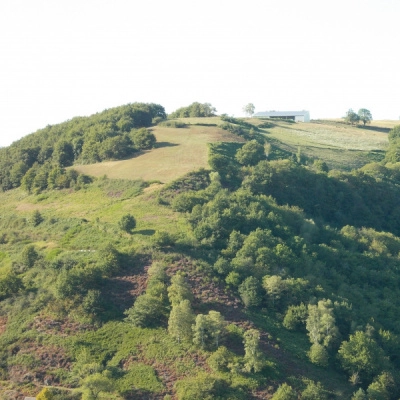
x,y
280,113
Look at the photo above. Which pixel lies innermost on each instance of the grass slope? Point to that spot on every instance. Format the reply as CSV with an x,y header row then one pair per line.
x,y
340,145
181,150
177,152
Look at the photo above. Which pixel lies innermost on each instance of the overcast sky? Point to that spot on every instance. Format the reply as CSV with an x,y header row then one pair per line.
x,y
60,59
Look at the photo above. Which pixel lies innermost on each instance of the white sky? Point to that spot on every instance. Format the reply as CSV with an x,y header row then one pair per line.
x,y
60,59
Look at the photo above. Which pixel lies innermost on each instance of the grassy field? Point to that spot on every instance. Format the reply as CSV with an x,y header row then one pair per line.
x,y
181,150
177,152
340,145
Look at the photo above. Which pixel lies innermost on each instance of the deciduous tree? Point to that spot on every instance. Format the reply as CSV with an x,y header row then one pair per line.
x,y
364,115
249,109
180,321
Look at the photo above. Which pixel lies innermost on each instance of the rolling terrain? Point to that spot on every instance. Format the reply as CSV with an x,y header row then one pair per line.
x,y
282,264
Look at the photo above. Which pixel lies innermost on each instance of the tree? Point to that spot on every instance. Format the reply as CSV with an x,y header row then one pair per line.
x,y
365,115
179,290
249,109
94,385
200,330
180,321
284,392
250,292
143,139
321,324
382,387
127,223
275,287
318,355
208,329
251,153
314,391
146,311
359,395
253,358
351,117
29,256
45,394
362,354
295,316
36,218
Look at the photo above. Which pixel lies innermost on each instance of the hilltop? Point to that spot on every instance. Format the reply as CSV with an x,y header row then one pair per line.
x,y
200,258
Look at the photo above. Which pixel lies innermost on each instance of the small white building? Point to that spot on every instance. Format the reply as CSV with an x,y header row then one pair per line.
x,y
298,116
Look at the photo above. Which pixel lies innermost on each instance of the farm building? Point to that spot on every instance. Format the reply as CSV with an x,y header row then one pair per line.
x,y
298,116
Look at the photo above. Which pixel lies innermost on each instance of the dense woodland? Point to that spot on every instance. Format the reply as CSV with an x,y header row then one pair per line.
x,y
300,265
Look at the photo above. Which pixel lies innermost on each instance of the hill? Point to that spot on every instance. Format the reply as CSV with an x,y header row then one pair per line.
x,y
181,150
199,268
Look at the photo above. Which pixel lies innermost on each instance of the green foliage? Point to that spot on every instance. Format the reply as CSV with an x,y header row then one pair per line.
x,y
180,321
10,284
314,391
179,290
285,392
194,110
321,324
91,139
362,354
318,355
94,385
127,223
36,218
250,292
139,377
163,238
365,115
382,387
201,387
208,330
359,395
221,359
295,317
29,256
45,394
253,358
143,139
249,109
173,124
352,117
147,310
251,153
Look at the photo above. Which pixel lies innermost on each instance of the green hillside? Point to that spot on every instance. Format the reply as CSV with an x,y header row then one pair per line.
x,y
200,258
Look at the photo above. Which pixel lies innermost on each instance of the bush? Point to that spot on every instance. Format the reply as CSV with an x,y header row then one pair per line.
x,y
173,124
284,392
127,223
143,139
36,218
318,355
314,391
163,238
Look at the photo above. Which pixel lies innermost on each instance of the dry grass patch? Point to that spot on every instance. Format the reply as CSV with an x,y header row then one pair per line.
x,y
178,151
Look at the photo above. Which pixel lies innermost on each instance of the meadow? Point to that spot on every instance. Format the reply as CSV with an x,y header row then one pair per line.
x,y
181,150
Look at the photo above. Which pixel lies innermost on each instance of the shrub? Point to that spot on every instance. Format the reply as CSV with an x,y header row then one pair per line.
x,y
143,139
36,218
318,355
284,392
127,223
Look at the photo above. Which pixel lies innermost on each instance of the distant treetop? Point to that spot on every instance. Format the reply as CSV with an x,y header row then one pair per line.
x,y
194,110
